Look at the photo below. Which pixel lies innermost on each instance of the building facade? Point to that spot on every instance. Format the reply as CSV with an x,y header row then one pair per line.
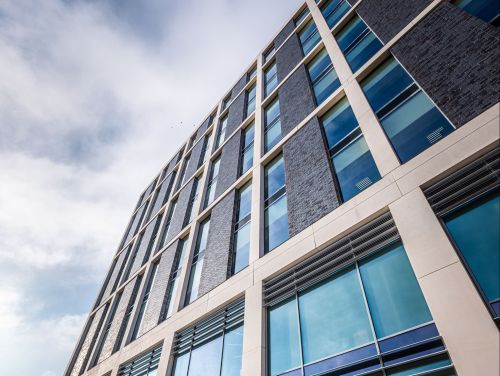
x,y
336,214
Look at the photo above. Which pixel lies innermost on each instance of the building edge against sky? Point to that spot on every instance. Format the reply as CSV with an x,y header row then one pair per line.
x,y
336,213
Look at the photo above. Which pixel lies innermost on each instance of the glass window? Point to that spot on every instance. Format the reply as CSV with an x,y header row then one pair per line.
x,y
225,102
251,73
358,43
335,322
192,202
242,229
182,175
197,262
270,78
284,338
144,303
232,352
352,161
269,53
272,125
487,10
302,16
181,365
393,293
250,107
166,226
333,317
212,182
221,136
474,230
275,205
247,149
206,359
323,77
309,37
168,307
205,149
334,10
409,118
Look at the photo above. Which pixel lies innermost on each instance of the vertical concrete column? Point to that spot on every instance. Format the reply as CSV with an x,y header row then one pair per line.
x,y
383,154
257,172
254,347
462,319
165,365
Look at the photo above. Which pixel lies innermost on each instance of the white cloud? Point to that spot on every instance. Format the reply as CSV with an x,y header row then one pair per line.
x,y
91,106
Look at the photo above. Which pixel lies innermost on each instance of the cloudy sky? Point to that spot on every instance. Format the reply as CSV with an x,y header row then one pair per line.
x,y
95,96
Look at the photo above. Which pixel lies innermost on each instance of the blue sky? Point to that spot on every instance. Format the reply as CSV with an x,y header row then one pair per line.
x,y
94,97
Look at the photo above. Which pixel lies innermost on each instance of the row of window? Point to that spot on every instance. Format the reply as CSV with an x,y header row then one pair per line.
x,y
361,311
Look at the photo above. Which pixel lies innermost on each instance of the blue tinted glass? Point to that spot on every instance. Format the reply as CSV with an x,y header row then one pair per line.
x,y
271,78
245,201
248,135
233,349
475,232
339,122
275,176
276,224
242,247
272,112
284,347
318,65
273,135
194,282
363,51
326,86
334,10
247,160
350,33
487,10
355,168
181,365
206,359
414,126
333,317
309,37
420,366
385,83
393,293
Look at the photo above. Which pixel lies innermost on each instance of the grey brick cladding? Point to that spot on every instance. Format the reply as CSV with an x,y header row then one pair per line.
x,y
236,114
310,186
194,161
218,253
161,195
203,127
284,33
142,242
288,56
296,100
455,58
239,86
173,161
180,211
388,17
107,349
158,290
230,157
91,333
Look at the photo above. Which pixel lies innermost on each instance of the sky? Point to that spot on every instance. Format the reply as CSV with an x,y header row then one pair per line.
x,y
95,96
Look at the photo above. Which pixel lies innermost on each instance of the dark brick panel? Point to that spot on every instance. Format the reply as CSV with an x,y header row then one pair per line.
x,y
296,100
117,322
90,337
309,181
288,56
180,211
228,171
236,114
284,33
388,17
454,57
203,127
218,252
143,245
239,86
158,291
194,161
